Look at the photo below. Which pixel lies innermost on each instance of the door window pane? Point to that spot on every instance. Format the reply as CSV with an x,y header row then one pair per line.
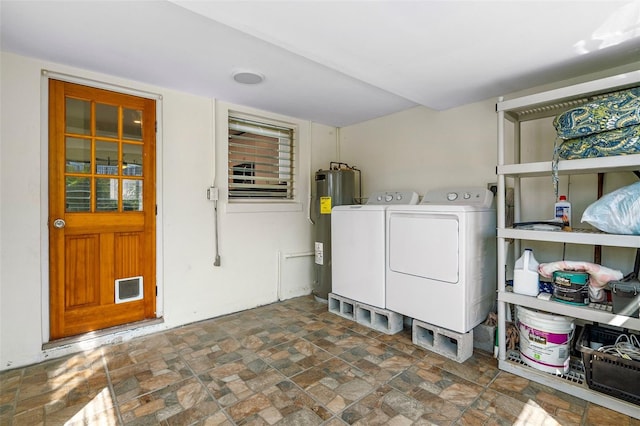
x,y
131,159
132,124
78,155
131,195
78,194
106,195
78,116
106,120
106,158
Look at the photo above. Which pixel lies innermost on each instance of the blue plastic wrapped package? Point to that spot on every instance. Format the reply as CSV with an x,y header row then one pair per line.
x,y
617,212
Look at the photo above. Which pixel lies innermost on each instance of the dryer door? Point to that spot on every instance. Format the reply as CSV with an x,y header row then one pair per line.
x,y
424,245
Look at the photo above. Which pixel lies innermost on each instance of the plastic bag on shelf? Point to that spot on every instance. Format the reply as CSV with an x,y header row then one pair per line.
x,y
617,212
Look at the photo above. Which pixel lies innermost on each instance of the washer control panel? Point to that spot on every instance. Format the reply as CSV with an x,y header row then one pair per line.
x,y
480,197
393,197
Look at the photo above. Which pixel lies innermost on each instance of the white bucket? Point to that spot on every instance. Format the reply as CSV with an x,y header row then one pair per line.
x,y
545,340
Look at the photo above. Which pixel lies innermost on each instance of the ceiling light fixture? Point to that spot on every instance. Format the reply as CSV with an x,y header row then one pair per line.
x,y
248,77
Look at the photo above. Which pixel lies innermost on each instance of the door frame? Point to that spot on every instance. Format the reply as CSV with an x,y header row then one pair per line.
x,y
46,75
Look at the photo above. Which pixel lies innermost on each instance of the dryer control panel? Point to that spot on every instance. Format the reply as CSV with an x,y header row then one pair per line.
x,y
393,198
478,196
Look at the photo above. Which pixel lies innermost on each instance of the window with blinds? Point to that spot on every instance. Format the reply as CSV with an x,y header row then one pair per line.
x,y
260,160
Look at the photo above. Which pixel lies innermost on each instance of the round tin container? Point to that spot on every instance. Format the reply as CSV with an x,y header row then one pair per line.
x,y
571,287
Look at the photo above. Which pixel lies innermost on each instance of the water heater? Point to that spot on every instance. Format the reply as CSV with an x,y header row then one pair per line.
x,y
334,187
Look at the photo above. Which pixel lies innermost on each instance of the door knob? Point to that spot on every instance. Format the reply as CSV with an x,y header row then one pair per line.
x,y
59,223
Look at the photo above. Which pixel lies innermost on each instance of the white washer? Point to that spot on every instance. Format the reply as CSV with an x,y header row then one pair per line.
x,y
358,247
441,258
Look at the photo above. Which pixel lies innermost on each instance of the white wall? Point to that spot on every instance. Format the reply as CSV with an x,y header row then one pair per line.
x,y
20,271
422,149
191,288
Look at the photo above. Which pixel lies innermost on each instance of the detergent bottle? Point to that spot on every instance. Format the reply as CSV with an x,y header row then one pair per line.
x,y
525,274
563,211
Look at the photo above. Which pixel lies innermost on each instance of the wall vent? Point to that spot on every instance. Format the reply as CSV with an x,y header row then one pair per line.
x,y
129,289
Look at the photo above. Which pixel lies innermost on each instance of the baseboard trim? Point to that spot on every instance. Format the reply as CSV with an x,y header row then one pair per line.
x,y
108,334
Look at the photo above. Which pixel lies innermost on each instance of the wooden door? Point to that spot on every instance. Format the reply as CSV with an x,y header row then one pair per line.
x,y
101,208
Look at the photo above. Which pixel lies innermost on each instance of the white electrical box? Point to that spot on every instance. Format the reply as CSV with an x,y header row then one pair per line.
x,y
212,193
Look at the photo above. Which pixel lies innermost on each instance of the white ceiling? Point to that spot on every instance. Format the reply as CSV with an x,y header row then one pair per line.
x,y
332,62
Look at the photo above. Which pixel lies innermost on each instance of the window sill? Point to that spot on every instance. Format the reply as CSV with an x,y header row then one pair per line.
x,y
264,207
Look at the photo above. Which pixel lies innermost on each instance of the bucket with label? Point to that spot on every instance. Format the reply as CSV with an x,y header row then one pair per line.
x,y
545,340
525,274
571,287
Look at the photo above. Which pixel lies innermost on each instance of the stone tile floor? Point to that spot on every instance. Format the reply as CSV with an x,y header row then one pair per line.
x,y
289,363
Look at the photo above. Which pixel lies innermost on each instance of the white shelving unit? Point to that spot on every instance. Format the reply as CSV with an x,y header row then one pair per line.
x,y
533,107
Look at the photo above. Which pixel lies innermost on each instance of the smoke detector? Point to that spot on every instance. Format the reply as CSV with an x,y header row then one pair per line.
x,y
248,77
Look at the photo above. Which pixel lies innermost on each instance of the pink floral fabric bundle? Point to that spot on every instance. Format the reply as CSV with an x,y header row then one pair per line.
x,y
599,276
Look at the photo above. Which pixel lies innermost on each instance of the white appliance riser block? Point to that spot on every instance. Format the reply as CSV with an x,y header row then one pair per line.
x,y
342,306
450,344
383,320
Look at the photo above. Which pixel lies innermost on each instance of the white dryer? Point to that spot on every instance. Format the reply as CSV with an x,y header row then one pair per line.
x,y
441,258
358,247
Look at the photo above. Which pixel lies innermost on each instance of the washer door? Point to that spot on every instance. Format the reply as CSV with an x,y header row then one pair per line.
x,y
424,245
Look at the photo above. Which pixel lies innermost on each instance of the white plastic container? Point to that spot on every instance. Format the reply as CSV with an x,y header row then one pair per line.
x,y
563,210
545,340
525,274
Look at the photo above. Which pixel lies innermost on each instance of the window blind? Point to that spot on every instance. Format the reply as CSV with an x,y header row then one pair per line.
x,y
260,160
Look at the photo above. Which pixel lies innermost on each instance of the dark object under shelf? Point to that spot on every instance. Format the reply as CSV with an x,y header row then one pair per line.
x,y
607,373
